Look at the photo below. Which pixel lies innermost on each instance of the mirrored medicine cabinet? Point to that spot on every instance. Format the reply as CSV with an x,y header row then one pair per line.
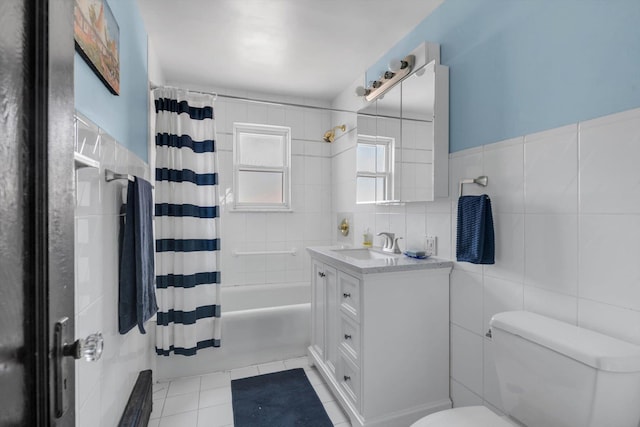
x,y
403,140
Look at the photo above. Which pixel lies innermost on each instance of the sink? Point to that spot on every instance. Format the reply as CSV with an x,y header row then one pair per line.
x,y
373,260
365,253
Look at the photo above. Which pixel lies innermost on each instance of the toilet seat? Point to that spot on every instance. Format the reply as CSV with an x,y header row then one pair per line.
x,y
468,416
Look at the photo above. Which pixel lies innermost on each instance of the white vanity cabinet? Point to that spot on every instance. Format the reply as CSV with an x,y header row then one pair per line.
x,y
323,309
380,336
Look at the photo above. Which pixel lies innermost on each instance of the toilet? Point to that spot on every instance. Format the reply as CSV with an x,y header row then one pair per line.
x,y
553,374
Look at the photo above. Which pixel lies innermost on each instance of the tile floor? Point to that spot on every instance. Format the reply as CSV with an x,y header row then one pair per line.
x,y
205,400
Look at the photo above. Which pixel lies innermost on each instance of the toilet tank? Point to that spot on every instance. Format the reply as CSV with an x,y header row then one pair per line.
x,y
551,373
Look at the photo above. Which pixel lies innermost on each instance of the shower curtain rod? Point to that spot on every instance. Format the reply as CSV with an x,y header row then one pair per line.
x,y
255,100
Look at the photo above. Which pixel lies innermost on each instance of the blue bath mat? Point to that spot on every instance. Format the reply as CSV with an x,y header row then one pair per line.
x,y
280,399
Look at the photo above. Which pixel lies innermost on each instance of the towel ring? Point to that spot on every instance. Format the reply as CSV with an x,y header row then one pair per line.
x,y
481,180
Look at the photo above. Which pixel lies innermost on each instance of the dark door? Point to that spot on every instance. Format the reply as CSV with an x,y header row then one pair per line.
x,y
36,206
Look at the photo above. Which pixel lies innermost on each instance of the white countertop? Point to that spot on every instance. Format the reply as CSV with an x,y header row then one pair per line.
x,y
391,263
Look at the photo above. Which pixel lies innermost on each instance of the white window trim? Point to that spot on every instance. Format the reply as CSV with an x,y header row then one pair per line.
x,y
283,131
388,175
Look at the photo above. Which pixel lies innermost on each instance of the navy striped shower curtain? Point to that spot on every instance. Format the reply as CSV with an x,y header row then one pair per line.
x,y
187,223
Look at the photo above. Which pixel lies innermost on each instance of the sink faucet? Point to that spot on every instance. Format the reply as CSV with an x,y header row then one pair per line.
x,y
390,242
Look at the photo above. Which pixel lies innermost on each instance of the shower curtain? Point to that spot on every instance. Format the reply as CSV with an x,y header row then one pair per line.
x,y
187,223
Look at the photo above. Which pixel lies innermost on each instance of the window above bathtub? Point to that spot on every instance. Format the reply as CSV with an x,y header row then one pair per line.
x,y
261,167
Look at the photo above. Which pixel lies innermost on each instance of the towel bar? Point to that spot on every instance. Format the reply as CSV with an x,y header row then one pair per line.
x,y
110,175
481,180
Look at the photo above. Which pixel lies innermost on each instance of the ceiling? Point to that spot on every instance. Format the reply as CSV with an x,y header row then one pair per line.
x,y
306,48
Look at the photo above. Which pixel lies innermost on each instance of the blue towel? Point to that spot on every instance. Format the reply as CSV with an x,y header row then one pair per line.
x,y
476,241
137,297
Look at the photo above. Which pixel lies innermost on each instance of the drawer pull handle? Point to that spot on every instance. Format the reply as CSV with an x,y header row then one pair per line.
x,y
321,274
347,378
346,295
347,337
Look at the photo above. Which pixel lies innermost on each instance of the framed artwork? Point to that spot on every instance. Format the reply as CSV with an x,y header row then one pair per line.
x,y
97,38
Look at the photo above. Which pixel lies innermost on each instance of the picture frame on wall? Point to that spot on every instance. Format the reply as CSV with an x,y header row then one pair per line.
x,y
97,40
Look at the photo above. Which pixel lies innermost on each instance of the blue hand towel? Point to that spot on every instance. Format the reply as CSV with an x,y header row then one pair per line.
x,y
137,297
476,241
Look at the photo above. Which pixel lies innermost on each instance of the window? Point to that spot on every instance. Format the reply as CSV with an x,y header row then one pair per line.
x,y
374,159
261,171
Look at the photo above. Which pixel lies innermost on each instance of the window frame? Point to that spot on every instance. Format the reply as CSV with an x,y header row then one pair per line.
x,y
285,133
389,165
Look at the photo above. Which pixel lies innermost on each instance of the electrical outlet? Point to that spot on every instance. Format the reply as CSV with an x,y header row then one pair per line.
x,y
431,245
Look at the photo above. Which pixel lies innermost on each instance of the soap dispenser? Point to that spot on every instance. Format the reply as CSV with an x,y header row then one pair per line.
x,y
367,239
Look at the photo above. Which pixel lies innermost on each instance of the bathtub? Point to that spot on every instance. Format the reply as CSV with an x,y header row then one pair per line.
x,y
260,324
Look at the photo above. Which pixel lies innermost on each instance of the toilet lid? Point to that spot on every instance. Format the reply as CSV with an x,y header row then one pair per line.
x,y
468,416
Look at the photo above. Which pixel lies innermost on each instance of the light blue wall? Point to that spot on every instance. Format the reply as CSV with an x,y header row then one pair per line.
x,y
521,66
124,117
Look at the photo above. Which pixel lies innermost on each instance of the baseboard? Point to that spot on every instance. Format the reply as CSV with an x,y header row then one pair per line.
x,y
139,406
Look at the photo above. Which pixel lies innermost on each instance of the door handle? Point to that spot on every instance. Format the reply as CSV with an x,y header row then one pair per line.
x,y
89,349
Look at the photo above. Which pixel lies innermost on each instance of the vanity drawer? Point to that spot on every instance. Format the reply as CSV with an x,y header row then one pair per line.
x,y
349,337
349,295
349,379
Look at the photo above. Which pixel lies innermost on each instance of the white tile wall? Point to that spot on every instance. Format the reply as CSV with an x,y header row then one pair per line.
x,y
500,295
552,242
609,254
609,152
567,217
566,205
491,389
467,359
466,300
504,164
311,220
551,156
509,237
552,304
103,387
